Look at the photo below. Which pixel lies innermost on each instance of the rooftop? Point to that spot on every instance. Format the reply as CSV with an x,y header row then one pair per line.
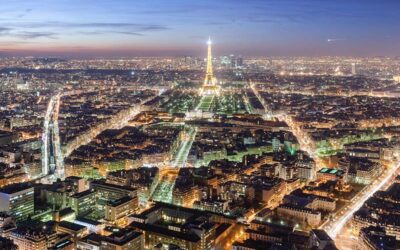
x,y
14,188
71,226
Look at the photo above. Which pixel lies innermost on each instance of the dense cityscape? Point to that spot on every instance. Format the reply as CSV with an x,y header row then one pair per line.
x,y
122,129
190,153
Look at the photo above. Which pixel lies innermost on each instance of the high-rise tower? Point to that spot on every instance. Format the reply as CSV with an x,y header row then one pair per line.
x,y
209,72
209,86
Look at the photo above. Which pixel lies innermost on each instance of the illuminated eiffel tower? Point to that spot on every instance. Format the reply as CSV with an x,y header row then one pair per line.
x,y
210,82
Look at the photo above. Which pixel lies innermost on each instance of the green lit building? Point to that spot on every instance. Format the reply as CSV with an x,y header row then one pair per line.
x,y
84,202
106,192
18,200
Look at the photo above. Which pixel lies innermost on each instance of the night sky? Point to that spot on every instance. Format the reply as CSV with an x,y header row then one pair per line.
x,y
114,28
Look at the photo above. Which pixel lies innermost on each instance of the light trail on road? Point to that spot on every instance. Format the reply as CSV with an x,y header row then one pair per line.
x,y
60,171
338,225
184,150
46,136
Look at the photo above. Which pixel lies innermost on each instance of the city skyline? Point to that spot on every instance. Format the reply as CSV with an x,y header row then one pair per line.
x,y
208,125
175,28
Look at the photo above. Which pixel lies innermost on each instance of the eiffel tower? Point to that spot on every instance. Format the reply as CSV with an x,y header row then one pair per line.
x,y
210,82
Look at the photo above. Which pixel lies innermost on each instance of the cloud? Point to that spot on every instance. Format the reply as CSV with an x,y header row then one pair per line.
x,y
4,30
133,26
32,30
129,33
25,35
27,31
35,34
100,32
90,25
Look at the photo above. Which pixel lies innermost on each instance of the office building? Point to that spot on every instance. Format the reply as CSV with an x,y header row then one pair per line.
x,y
17,200
183,227
84,202
106,192
124,239
116,211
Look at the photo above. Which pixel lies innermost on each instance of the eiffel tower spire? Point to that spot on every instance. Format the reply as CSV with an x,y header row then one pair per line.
x,y
210,86
209,72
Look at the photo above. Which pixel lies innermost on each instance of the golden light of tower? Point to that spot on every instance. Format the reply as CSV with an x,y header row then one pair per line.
x,y
210,82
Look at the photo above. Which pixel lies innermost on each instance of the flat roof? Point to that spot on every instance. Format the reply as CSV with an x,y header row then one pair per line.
x,y
62,244
82,194
188,236
93,238
71,226
113,186
14,188
122,237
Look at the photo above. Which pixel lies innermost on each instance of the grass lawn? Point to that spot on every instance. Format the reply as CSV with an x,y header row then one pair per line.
x,y
205,103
